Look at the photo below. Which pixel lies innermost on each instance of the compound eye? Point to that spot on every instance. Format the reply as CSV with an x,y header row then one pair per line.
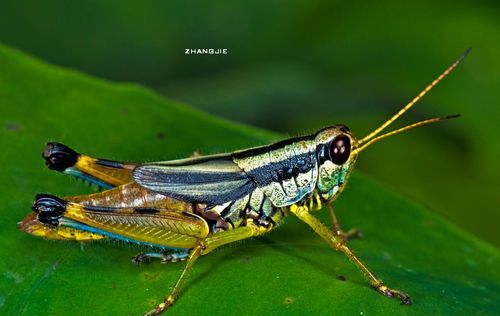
x,y
340,149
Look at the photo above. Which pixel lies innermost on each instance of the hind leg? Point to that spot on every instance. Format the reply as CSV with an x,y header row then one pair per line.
x,y
101,172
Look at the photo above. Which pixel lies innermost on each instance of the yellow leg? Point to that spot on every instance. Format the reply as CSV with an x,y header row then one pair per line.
x,y
169,300
351,233
339,244
205,246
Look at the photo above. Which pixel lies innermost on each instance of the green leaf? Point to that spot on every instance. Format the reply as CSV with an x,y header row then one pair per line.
x,y
289,271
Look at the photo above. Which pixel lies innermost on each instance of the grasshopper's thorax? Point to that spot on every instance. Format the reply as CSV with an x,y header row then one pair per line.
x,y
336,159
307,170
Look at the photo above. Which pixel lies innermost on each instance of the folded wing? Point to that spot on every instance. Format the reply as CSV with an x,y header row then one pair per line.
x,y
213,180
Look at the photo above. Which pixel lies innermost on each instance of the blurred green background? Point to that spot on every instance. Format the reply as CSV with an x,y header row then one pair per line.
x,y
296,66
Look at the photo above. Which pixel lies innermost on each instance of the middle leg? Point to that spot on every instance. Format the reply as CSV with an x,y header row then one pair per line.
x,y
202,248
164,257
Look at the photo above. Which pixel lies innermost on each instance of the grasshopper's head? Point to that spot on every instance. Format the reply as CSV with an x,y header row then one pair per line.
x,y
336,155
337,149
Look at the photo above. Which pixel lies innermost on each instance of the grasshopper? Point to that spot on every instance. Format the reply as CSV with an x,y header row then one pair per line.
x,y
187,208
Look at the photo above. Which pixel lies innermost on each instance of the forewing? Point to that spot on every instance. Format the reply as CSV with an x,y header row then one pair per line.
x,y
212,180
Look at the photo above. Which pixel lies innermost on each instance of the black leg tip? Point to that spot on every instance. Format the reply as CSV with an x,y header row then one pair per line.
x,y
49,208
405,299
140,258
59,157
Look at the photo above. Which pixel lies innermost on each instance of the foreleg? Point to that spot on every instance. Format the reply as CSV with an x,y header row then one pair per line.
x,y
338,243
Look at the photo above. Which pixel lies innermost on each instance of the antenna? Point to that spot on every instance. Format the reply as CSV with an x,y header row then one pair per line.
x,y
415,100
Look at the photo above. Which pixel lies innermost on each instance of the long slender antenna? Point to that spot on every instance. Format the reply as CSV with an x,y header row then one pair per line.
x,y
415,100
402,129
